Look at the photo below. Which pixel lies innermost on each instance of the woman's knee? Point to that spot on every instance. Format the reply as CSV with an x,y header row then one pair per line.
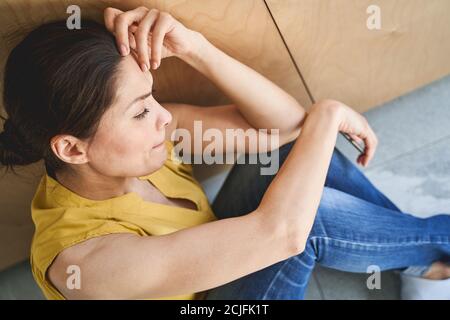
x,y
329,214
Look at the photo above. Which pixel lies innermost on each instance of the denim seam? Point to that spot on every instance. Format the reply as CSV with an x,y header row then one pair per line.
x,y
275,277
301,262
380,244
309,255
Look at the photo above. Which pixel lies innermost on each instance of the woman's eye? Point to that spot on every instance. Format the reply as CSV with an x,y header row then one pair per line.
x,y
146,110
142,115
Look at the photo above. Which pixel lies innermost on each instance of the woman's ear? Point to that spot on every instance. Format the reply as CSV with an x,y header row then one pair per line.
x,y
69,149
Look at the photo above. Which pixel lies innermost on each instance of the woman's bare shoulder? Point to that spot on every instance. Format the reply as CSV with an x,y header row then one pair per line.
x,y
78,254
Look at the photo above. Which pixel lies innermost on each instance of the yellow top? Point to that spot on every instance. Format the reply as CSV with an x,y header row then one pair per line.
x,y
62,218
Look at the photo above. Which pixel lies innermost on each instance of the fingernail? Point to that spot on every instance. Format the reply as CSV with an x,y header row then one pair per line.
x,y
154,65
123,50
144,67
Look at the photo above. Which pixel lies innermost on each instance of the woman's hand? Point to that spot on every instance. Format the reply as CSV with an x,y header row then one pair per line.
x,y
149,31
357,127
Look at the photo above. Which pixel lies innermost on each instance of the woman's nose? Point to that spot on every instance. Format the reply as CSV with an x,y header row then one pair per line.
x,y
165,118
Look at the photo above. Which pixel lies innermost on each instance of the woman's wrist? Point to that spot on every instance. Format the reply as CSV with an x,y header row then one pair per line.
x,y
198,51
330,109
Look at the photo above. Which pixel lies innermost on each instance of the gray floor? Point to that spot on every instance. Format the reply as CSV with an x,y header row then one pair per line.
x,y
411,166
17,283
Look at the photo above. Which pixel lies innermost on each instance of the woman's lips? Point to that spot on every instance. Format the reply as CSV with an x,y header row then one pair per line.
x,y
159,145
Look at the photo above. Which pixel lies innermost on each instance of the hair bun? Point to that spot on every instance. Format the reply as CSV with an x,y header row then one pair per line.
x,y
8,126
12,150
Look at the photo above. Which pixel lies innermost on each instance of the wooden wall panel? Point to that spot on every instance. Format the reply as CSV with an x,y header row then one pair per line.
x,y
241,28
341,58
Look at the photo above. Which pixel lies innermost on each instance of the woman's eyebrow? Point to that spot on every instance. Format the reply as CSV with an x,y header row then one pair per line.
x,y
142,97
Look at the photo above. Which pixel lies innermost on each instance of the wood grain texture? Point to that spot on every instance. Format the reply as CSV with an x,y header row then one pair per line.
x,y
241,28
341,58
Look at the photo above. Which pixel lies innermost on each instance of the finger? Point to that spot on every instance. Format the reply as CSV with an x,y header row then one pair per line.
x,y
132,41
374,144
360,142
357,139
359,160
141,37
369,151
122,24
134,54
159,32
133,28
109,16
362,157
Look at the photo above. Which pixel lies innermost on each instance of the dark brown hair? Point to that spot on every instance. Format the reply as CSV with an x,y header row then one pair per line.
x,y
56,81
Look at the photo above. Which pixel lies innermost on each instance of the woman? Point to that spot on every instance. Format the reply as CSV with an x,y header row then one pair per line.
x,y
84,108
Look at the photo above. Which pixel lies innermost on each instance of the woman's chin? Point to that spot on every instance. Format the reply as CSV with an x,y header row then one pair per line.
x,y
159,155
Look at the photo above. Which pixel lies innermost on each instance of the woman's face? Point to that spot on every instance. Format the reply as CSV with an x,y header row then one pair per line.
x,y
130,137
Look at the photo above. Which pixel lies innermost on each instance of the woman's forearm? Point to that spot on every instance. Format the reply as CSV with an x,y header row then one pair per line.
x,y
262,103
292,199
294,194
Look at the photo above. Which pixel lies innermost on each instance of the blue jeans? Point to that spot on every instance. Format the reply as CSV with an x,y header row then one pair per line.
x,y
356,226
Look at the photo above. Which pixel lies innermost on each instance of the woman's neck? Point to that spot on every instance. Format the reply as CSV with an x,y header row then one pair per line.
x,y
98,187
